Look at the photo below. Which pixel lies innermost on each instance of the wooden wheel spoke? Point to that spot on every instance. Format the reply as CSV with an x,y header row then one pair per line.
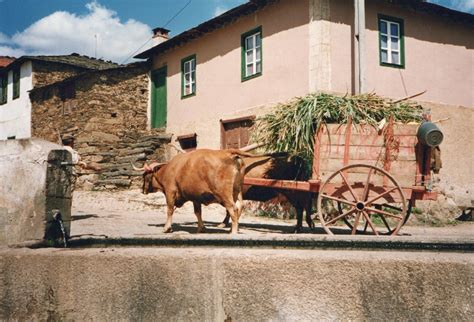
x,y
386,224
365,226
393,207
359,210
356,223
380,196
338,199
348,186
369,221
365,195
347,213
385,213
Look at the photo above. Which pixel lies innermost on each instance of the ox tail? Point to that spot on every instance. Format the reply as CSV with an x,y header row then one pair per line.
x,y
244,167
251,155
240,153
239,163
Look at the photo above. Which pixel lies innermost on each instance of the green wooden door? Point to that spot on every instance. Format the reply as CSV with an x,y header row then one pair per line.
x,y
158,98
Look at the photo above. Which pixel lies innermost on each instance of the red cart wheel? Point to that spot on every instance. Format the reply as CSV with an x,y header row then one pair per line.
x,y
366,197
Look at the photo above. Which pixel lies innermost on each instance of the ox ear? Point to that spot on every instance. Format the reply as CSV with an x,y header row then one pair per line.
x,y
158,167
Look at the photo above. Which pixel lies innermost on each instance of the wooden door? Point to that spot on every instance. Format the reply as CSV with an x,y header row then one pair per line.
x,y
235,133
158,98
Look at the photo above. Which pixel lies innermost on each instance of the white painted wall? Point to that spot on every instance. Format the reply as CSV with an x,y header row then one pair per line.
x,y
15,115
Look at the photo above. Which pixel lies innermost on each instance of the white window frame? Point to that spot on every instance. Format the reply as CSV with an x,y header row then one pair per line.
x,y
256,58
189,83
388,49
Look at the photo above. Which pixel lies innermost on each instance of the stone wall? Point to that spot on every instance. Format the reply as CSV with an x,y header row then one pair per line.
x,y
105,114
45,73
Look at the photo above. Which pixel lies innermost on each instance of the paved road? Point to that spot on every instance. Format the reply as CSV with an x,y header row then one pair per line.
x,y
133,215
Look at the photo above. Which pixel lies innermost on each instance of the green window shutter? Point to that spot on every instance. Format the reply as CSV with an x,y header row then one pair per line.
x,y
4,89
391,41
16,83
252,53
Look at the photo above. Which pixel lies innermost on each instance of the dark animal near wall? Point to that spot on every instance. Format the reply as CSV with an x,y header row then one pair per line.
x,y
201,176
283,167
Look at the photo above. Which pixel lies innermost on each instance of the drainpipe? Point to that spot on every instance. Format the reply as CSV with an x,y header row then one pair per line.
x,y
359,42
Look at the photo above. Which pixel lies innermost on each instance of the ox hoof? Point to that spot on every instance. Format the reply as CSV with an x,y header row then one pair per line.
x,y
167,230
298,230
201,230
222,225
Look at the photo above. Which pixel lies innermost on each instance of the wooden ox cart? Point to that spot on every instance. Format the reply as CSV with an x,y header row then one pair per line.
x,y
365,177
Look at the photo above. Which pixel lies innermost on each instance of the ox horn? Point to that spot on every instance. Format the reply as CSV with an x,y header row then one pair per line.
x,y
139,169
147,167
179,149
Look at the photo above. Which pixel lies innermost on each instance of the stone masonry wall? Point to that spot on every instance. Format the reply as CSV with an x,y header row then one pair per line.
x,y
107,119
45,73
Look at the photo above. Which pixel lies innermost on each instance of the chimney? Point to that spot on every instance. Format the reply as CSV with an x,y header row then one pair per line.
x,y
160,35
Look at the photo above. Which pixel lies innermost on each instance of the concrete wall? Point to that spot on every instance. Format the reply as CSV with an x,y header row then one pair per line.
x,y
191,284
456,178
30,188
15,116
439,55
220,92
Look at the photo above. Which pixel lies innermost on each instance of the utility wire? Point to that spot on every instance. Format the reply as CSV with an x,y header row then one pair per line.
x,y
172,18
166,24
146,42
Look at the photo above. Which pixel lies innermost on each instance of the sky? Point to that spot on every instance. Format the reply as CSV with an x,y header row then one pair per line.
x,y
110,29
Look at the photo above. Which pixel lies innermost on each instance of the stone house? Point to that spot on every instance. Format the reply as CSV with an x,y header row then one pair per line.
x,y
28,72
209,82
103,115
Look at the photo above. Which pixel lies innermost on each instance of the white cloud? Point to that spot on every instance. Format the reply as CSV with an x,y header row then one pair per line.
x,y
460,5
9,51
63,33
466,5
219,10
4,38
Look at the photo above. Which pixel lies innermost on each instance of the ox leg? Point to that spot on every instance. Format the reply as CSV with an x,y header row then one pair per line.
x,y
299,220
225,223
232,210
309,212
198,213
167,228
236,212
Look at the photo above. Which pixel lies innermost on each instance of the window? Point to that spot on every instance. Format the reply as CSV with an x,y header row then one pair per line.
x,y
188,142
391,42
252,53
16,83
235,133
3,89
188,76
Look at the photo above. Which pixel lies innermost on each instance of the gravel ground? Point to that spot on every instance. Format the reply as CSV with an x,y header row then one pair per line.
x,y
132,214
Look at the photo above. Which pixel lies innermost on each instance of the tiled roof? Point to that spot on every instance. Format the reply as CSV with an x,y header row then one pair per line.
x,y
208,26
253,5
74,59
6,60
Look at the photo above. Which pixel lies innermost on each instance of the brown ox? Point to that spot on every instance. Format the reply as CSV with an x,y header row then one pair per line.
x,y
203,177
278,166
